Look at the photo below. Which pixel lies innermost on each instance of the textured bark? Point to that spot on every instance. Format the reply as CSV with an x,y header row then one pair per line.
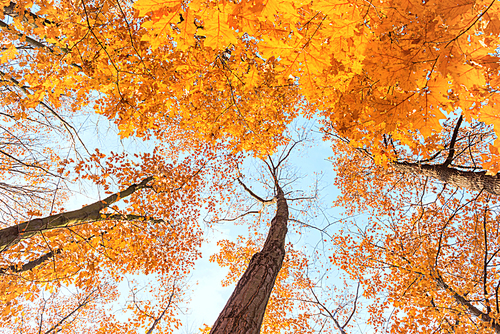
x,y
245,308
469,180
13,234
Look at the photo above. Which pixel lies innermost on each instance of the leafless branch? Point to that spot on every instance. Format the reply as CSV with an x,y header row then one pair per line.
x,y
239,217
258,198
81,305
157,320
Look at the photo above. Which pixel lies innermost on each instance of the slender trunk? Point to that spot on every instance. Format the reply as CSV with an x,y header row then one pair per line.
x,y
469,180
92,212
245,308
484,317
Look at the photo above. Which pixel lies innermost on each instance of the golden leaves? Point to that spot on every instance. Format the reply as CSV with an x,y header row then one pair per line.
x,y
408,255
488,113
234,75
439,92
340,9
466,75
493,26
274,8
188,29
166,6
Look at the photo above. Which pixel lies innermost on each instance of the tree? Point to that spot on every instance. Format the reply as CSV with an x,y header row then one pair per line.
x,y
213,79
245,309
429,246
296,290
225,80
386,104
47,78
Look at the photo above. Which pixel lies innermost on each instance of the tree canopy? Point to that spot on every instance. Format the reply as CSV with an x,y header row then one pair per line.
x,y
406,95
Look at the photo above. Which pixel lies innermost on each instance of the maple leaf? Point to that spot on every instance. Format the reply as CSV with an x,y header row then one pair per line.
x,y
450,10
9,54
218,35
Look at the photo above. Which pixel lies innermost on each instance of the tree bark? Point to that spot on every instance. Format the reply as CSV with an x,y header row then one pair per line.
x,y
92,212
476,181
244,311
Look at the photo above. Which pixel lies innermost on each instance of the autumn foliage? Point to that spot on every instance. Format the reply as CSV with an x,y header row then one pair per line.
x,y
406,94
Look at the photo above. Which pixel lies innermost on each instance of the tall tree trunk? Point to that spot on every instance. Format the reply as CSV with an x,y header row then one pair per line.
x,y
469,180
245,308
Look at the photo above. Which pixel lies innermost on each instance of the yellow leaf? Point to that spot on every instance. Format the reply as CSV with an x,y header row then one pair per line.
x,y
329,7
186,37
8,54
146,6
252,77
489,115
218,35
467,75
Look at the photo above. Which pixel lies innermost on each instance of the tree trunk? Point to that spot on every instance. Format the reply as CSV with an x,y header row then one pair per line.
x,y
469,180
92,212
245,308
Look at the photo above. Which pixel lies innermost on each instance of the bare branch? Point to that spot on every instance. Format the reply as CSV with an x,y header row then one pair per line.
x,y
157,320
80,305
332,316
354,307
29,165
238,217
258,198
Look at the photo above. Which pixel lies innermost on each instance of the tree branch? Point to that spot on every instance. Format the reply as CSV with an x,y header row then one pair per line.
x,y
157,320
258,198
47,256
451,153
475,181
80,305
28,165
253,212
467,304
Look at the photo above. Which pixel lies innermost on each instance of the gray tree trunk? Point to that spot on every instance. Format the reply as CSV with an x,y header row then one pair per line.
x,y
468,180
92,212
244,311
